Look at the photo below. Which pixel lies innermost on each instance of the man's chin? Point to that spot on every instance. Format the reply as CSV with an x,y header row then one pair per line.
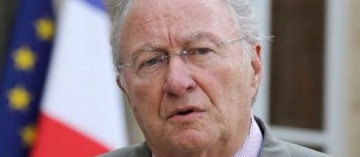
x,y
189,140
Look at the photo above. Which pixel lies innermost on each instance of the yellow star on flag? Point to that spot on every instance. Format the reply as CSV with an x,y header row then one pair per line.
x,y
24,58
28,134
19,98
45,29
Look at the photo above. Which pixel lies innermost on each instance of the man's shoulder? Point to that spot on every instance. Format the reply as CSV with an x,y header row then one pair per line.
x,y
274,147
139,150
300,151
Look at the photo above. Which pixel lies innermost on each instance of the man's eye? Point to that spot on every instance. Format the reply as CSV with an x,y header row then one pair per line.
x,y
199,51
155,60
150,62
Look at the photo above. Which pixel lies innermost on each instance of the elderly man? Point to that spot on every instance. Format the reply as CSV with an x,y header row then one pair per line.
x,y
190,70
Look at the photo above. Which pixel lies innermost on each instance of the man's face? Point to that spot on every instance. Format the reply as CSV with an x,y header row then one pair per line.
x,y
187,108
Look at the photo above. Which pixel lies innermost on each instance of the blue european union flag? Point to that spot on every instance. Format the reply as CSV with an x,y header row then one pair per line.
x,y
24,75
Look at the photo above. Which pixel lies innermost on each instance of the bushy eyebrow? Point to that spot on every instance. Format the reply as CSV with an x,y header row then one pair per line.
x,y
147,47
201,36
152,47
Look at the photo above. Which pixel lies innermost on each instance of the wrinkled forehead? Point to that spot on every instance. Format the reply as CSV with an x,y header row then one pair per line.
x,y
156,14
145,11
161,21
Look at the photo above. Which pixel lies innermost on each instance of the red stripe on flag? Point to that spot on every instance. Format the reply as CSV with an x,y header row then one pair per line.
x,y
58,140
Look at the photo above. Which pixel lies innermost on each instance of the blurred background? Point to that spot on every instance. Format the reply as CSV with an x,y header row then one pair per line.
x,y
59,96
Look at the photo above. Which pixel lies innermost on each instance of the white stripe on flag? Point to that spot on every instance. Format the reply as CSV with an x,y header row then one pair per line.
x,y
81,91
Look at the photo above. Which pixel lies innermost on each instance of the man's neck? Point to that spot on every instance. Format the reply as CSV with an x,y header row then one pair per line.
x,y
232,146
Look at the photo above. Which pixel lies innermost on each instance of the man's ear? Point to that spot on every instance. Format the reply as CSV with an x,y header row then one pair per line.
x,y
256,65
121,86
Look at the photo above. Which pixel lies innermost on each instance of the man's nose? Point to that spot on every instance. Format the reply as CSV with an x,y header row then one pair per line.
x,y
178,79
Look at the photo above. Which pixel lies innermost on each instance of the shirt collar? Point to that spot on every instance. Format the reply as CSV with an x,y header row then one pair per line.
x,y
253,142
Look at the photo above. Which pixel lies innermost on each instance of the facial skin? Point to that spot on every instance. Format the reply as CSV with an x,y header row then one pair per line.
x,y
219,95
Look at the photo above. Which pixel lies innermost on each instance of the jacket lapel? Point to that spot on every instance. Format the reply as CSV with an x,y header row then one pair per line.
x,y
271,147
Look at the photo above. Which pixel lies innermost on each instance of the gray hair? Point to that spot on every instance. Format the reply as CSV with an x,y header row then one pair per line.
x,y
241,10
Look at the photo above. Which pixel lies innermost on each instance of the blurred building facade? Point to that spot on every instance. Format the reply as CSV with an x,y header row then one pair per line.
x,y
353,81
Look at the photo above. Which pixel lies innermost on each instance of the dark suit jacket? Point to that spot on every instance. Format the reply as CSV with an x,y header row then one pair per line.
x,y
271,147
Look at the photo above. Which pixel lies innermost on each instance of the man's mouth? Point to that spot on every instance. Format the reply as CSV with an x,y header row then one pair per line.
x,y
182,113
185,113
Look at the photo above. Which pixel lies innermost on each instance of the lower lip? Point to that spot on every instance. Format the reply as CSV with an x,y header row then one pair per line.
x,y
189,117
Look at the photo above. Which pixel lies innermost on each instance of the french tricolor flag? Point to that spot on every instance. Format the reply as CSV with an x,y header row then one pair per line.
x,y
82,112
